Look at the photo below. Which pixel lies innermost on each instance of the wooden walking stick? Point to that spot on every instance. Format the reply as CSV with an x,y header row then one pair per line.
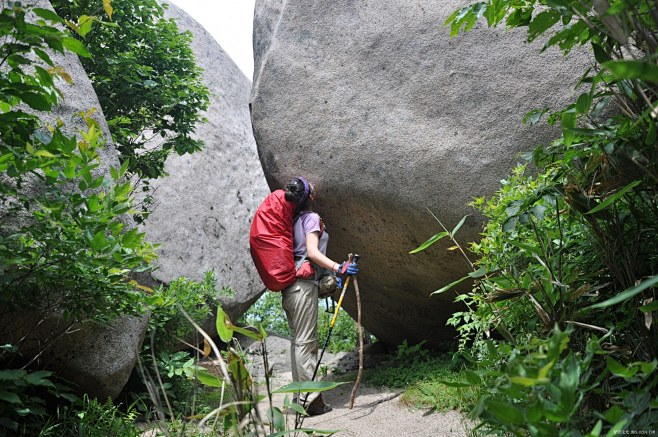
x,y
360,328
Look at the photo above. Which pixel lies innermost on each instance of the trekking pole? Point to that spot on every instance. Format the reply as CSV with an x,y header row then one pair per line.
x,y
350,258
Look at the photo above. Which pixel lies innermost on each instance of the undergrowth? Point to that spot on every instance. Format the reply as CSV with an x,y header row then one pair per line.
x,y
422,374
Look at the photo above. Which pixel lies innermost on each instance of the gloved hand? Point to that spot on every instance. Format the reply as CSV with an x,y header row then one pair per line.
x,y
339,283
348,268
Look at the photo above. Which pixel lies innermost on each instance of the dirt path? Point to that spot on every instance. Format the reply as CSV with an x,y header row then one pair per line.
x,y
376,412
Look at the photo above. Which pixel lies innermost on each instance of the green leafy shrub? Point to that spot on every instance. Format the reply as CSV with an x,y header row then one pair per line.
x,y
89,417
161,359
145,76
23,395
423,376
167,325
228,372
63,242
570,253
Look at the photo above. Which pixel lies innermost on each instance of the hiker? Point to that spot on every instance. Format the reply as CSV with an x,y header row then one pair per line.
x,y
300,300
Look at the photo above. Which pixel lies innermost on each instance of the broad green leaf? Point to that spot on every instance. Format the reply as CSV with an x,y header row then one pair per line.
x,y
633,70
449,286
527,247
298,409
542,22
85,22
36,101
505,412
224,332
275,416
568,124
99,241
308,386
75,46
533,117
12,374
40,377
561,6
208,379
619,369
600,54
653,306
478,273
614,431
472,377
627,294
459,225
583,103
10,397
614,414
429,242
612,199
47,14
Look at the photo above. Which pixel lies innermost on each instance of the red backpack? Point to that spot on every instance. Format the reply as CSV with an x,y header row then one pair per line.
x,y
271,241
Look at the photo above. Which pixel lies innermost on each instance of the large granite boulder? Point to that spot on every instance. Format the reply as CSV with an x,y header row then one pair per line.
x,y
98,359
204,207
390,117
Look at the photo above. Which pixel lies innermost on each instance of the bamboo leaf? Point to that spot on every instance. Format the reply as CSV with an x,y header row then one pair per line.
x,y
612,199
449,286
429,242
308,386
459,225
626,294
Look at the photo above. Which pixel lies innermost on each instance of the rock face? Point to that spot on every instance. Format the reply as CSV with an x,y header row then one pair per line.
x,y
390,117
204,208
98,359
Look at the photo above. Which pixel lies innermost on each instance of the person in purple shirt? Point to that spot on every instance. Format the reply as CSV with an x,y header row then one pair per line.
x,y
300,300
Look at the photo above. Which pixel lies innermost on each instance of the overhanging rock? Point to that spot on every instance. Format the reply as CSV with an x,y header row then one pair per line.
x,y
390,117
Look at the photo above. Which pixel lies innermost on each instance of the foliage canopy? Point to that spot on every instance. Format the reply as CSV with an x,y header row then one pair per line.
x,y
145,76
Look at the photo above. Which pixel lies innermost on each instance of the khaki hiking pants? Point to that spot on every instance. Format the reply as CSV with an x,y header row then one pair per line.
x,y
300,302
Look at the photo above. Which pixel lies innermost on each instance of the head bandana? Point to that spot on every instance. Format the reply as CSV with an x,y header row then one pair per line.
x,y
307,188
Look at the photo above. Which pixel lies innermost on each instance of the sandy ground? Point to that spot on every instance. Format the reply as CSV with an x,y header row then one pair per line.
x,y
376,412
